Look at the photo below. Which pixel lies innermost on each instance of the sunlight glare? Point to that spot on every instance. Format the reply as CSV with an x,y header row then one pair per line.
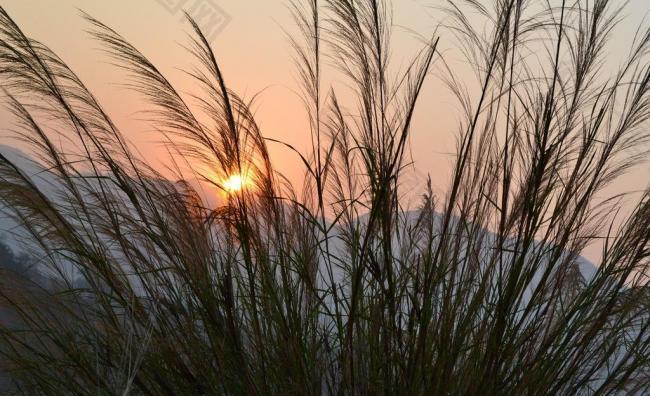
x,y
234,184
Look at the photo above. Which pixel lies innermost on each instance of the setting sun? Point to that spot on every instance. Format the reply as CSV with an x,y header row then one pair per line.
x,y
234,183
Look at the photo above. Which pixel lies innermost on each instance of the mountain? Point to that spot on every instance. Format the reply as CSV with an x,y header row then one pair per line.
x,y
10,235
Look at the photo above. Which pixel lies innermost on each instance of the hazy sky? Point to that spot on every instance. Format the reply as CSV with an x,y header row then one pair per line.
x,y
252,49
255,56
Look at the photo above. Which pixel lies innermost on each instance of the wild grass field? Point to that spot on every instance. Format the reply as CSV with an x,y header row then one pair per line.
x,y
336,287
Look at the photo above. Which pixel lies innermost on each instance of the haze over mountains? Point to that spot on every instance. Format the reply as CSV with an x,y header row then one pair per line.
x,y
13,242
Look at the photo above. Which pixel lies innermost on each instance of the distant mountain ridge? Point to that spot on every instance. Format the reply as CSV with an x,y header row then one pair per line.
x,y
42,178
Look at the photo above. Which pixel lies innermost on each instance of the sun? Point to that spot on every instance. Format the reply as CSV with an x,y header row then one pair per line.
x,y
235,183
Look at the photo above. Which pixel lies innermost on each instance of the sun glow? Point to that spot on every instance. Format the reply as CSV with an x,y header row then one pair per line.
x,y
235,183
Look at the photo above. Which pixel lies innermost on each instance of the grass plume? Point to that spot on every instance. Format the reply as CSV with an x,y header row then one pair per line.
x,y
337,288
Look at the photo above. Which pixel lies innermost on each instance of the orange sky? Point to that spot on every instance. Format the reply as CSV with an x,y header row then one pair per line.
x,y
255,56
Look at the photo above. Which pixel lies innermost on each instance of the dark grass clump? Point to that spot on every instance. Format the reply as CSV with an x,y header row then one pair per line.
x,y
337,288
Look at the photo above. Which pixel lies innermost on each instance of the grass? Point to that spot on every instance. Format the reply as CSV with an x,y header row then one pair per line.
x,y
337,288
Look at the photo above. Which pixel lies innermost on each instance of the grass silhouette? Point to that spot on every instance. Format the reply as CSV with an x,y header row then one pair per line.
x,y
337,288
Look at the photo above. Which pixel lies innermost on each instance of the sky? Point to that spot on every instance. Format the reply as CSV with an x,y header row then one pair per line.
x,y
252,49
249,39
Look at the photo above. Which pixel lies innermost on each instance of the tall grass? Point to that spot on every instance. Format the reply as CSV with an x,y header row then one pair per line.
x,y
337,288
